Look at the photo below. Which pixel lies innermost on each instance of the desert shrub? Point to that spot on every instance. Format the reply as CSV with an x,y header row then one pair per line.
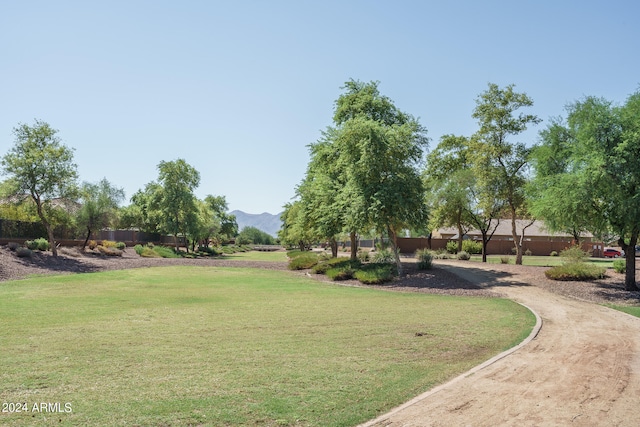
x,y
148,252
340,262
13,246
553,253
43,244
121,246
505,259
574,254
23,252
372,274
109,251
384,256
363,256
165,252
464,256
424,258
440,254
340,273
575,271
619,265
138,248
39,244
472,247
303,261
452,247
108,244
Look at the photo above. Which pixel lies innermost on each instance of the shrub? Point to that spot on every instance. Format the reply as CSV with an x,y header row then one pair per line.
x,y
363,256
372,274
108,244
528,252
464,256
441,254
303,261
575,271
340,262
619,265
505,259
553,253
425,259
472,247
384,256
13,246
147,252
40,244
121,246
165,252
574,254
43,244
139,249
23,252
109,251
340,273
92,244
452,247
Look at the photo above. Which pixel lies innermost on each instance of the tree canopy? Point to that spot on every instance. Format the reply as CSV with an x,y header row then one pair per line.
x,y
589,171
41,167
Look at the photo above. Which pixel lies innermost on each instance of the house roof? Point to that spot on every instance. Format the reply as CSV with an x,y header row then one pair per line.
x,y
537,229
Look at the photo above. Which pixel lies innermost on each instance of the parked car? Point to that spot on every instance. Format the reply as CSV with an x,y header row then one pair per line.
x,y
612,253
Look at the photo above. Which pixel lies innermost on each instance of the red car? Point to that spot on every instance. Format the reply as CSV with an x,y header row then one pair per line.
x,y
612,253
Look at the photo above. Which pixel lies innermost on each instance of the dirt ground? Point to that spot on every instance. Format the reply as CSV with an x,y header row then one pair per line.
x,y
582,368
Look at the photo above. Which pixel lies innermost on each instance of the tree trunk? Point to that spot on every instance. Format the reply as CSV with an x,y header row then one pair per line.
x,y
459,237
630,260
354,245
46,224
84,245
516,241
394,248
334,247
485,243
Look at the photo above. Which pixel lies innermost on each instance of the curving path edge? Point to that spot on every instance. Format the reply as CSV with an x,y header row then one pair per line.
x,y
582,368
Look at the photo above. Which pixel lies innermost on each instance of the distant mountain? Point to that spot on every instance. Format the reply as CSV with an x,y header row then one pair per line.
x,y
266,222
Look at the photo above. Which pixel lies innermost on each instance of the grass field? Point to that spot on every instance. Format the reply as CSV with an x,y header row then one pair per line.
x,y
541,261
634,311
279,256
186,346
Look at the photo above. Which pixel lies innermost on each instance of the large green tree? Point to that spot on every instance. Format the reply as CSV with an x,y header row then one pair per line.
x,y
42,167
448,179
499,163
178,206
98,206
380,151
601,168
320,210
556,196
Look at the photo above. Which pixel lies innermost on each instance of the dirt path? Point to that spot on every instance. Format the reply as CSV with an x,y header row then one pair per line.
x,y
582,369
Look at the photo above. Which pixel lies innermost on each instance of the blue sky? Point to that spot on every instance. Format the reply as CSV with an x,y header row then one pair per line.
x,y
239,88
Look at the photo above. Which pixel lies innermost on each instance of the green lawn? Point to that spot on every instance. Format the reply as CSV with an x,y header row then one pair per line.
x,y
186,346
280,256
540,261
634,311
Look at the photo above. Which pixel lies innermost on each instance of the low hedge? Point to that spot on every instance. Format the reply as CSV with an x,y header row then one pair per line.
x,y
575,271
